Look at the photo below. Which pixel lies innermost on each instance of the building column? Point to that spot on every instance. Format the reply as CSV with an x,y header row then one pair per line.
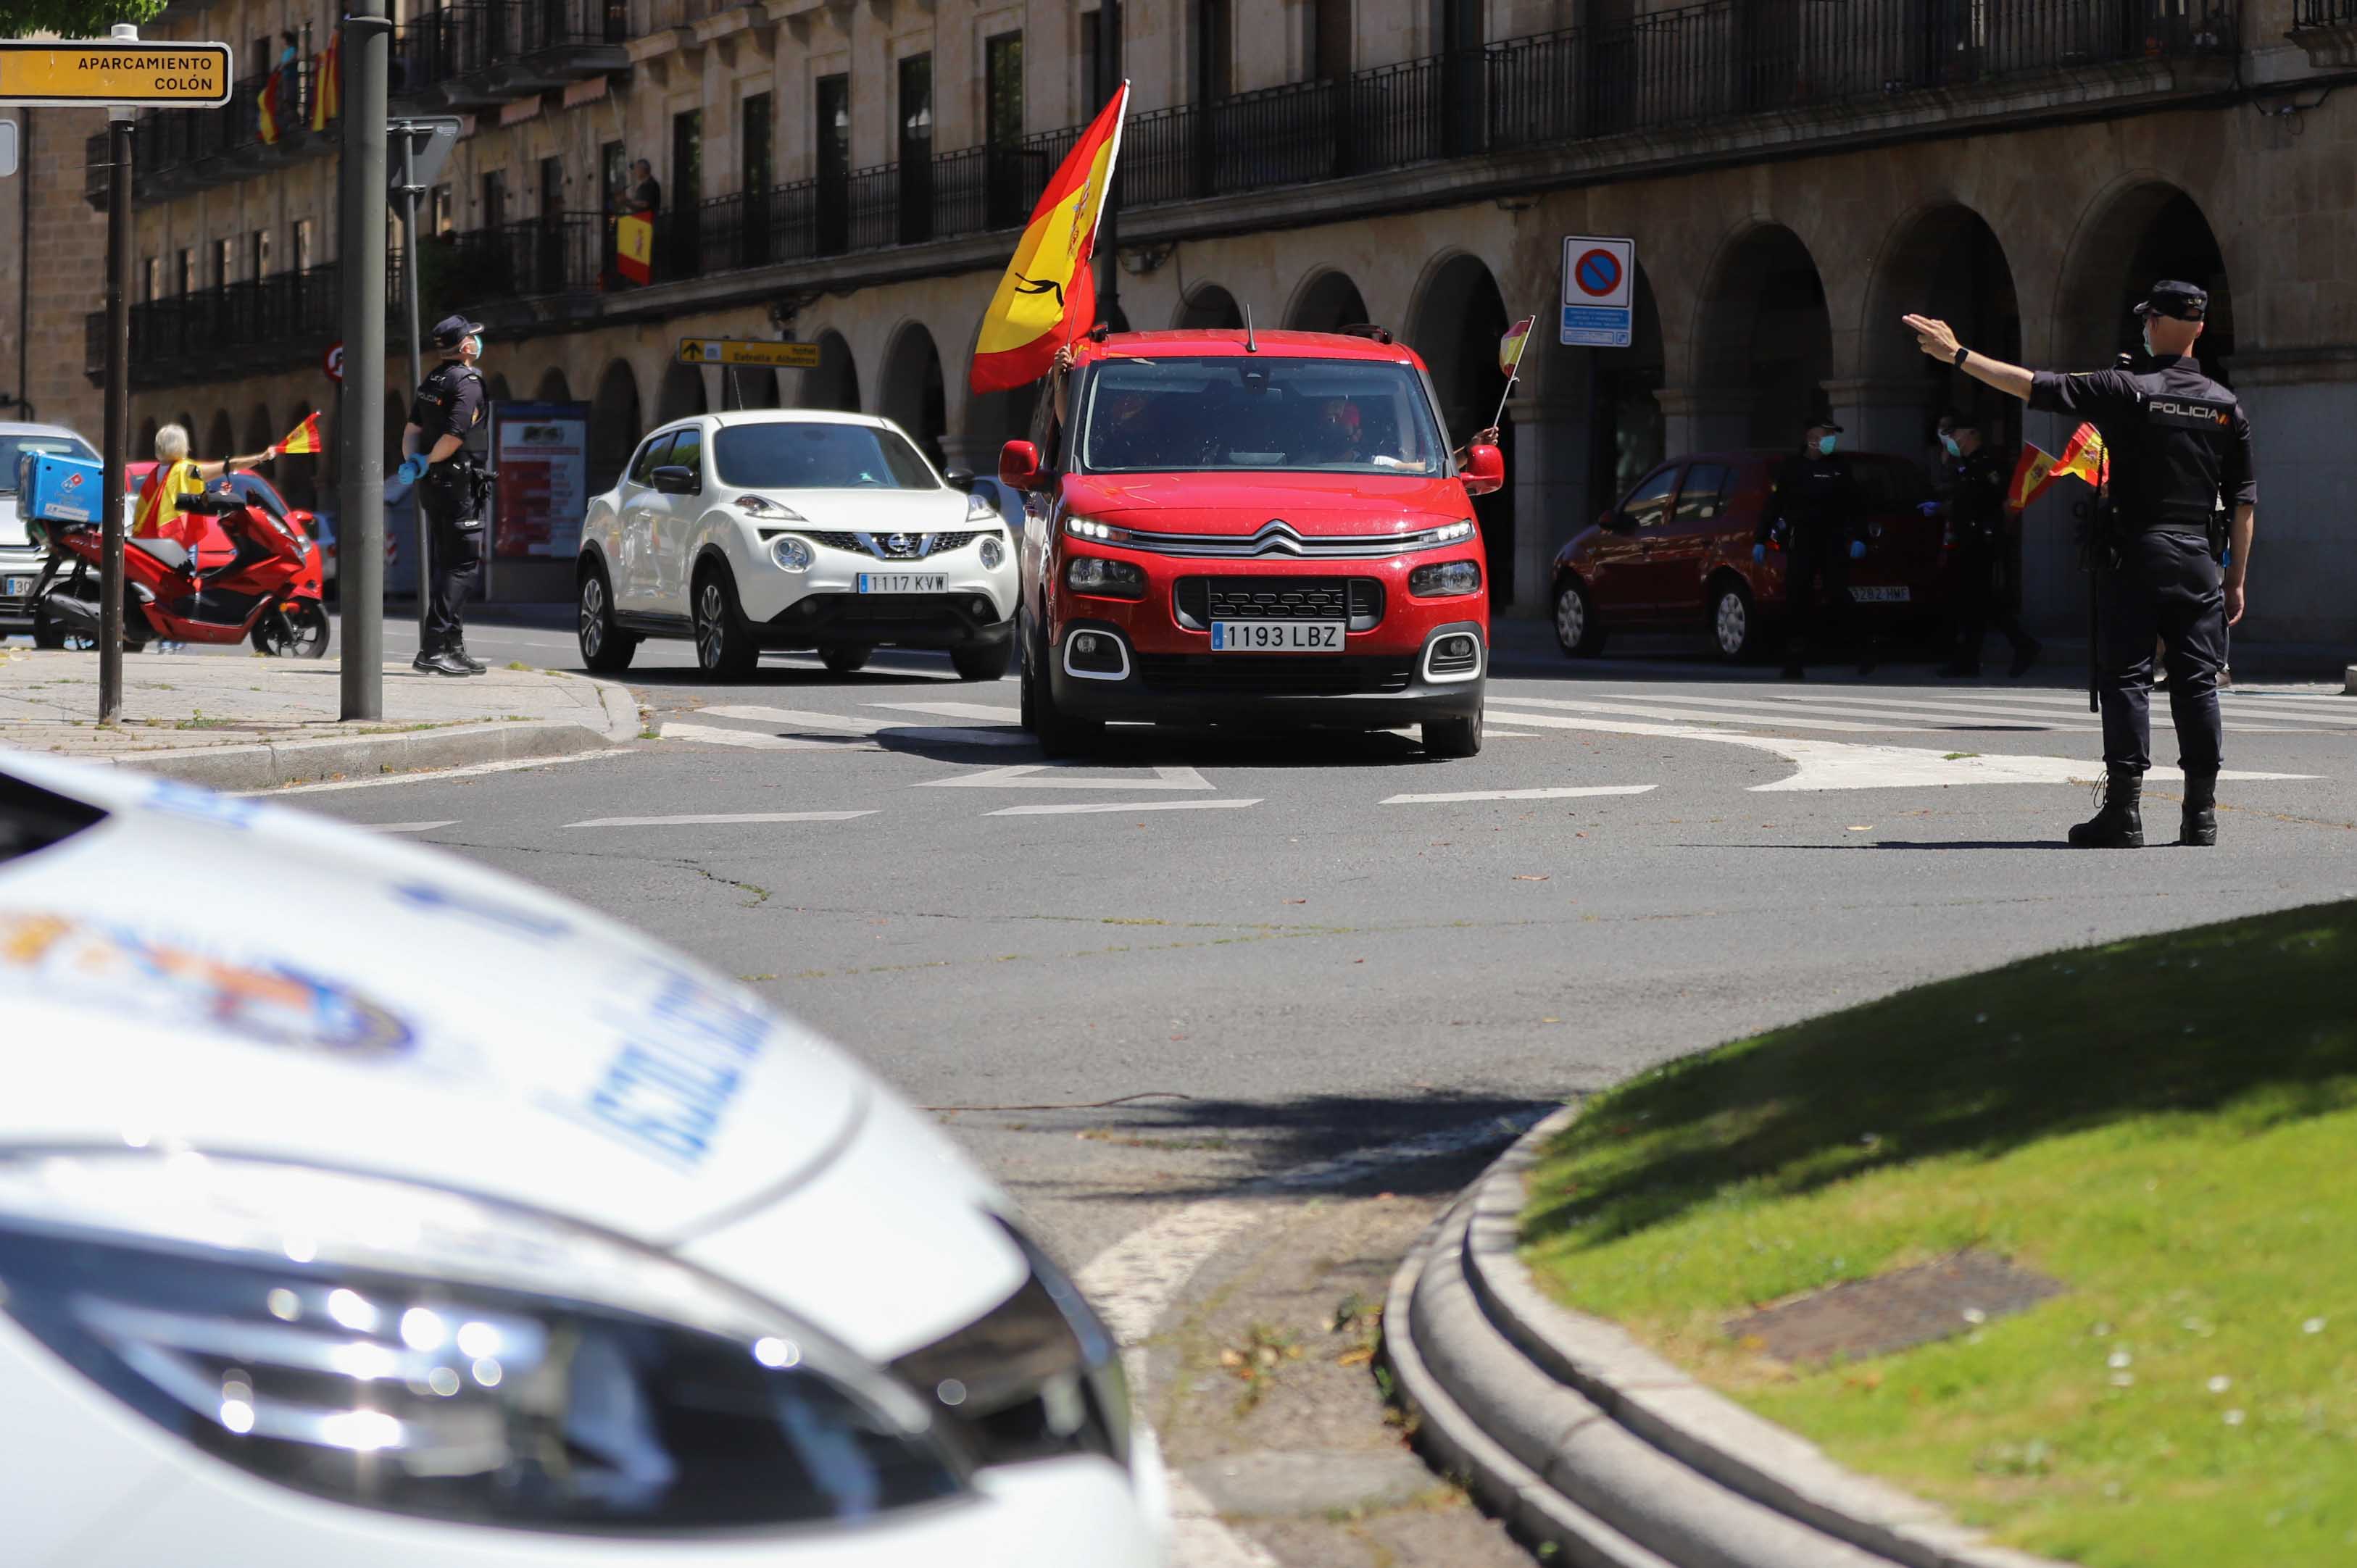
x,y
2302,402
1881,415
975,453
1696,419
1549,482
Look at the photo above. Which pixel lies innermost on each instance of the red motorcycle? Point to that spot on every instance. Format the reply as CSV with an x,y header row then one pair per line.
x,y
241,567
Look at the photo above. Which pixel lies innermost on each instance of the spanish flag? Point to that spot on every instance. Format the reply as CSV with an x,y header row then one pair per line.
x,y
634,246
305,437
268,108
2082,457
160,500
1048,295
2031,474
1511,347
328,91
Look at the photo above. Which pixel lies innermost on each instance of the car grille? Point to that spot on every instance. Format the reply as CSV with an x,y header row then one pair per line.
x,y
1285,675
927,544
1200,601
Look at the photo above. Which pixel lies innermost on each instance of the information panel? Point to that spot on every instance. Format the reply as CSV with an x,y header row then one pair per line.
x,y
186,76
541,452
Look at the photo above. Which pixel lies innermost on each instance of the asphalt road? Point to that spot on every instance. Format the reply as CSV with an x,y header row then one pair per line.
x,y
1138,982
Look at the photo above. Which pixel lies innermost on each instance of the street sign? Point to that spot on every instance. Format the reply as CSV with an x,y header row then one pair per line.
x,y
1599,275
62,75
333,362
7,148
431,138
747,351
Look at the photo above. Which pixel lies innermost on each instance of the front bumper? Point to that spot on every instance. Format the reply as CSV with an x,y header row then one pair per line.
x,y
15,610
1357,689
975,605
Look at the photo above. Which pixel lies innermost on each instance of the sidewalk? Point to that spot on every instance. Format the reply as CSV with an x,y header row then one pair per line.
x,y
257,724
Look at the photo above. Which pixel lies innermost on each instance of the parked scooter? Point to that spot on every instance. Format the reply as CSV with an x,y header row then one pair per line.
x,y
267,592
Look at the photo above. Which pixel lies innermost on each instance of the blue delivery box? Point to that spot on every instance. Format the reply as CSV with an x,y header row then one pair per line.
x,y
61,489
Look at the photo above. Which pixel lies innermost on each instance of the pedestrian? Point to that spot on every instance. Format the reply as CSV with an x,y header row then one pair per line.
x,y
451,488
1977,476
177,474
2175,562
646,191
1815,511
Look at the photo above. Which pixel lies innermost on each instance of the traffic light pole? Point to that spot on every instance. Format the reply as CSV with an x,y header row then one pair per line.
x,y
118,404
359,434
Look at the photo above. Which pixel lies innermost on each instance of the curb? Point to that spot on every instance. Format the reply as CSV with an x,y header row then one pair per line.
x,y
1578,1435
274,764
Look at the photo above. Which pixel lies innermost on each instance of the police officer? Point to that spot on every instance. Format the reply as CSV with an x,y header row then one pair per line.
x,y
1815,508
2180,455
451,488
1977,478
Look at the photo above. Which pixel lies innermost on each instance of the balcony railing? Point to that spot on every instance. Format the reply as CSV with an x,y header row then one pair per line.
x,y
218,333
190,149
481,52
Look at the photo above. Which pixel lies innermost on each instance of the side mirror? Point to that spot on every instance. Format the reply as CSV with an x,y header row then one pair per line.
x,y
674,480
1485,470
305,521
1018,465
959,478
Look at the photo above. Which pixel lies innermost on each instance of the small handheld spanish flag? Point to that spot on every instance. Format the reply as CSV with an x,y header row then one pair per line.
x,y
1511,347
2082,457
305,437
2031,474
634,246
1048,295
328,91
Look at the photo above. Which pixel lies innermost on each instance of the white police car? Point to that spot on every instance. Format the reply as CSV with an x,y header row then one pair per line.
x,y
401,1213
782,529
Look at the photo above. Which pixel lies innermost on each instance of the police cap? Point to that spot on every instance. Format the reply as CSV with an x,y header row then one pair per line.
x,y
453,330
2184,301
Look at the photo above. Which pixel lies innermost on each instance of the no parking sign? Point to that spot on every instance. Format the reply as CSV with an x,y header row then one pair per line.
x,y
1598,290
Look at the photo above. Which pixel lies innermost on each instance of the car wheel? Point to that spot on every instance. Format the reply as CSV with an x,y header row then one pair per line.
x,y
982,661
1734,621
1459,735
606,649
845,659
1059,737
723,643
1576,625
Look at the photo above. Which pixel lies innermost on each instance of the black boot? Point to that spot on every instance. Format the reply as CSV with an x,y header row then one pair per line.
x,y
2199,825
2119,824
447,663
474,665
424,663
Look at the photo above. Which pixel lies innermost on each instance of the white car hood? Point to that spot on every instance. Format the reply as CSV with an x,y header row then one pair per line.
x,y
875,510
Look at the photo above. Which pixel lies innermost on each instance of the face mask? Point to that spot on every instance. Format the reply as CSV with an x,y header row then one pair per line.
x,y
2146,335
1949,442
1824,445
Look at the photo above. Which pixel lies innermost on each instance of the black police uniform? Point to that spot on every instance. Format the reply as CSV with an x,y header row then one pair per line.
x,y
1817,503
451,401
1976,481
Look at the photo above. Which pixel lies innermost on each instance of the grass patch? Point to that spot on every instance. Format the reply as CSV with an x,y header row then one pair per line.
x,y
2164,1125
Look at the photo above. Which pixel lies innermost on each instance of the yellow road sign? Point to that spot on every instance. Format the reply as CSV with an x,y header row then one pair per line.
x,y
747,351
41,75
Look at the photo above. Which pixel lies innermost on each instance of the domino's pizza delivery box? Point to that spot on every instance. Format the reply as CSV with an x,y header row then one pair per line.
x,y
60,489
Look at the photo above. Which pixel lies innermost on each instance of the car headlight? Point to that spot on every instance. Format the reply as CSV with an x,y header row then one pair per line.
x,y
1090,528
422,1352
763,506
1447,578
980,508
994,553
1105,579
791,554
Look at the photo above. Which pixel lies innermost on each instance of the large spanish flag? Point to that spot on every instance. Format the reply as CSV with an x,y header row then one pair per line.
x,y
1048,295
159,499
267,109
328,88
634,246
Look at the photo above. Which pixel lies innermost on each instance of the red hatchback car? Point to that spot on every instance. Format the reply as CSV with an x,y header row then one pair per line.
x,y
1676,552
1231,527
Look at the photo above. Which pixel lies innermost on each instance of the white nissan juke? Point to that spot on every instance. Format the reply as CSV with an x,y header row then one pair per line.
x,y
401,1214
782,529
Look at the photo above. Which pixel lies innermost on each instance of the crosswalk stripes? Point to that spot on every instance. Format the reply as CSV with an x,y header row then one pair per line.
x,y
719,819
1454,796
856,730
1093,807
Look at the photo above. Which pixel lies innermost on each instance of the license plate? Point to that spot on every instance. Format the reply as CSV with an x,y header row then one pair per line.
x,y
15,588
1879,596
902,582
1276,636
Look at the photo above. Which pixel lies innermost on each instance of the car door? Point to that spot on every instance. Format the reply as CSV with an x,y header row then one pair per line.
x,y
638,504
1620,583
1673,567
675,521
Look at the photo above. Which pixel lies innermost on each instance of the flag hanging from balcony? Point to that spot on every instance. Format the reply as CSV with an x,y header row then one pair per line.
x,y
305,437
1048,295
1511,347
267,104
328,91
634,246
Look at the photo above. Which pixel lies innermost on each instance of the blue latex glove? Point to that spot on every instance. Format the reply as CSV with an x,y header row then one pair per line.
x,y
412,470
1858,548
1759,553
1930,508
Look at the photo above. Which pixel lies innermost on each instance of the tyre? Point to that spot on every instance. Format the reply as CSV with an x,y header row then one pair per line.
x,y
606,649
725,649
302,634
1459,735
1058,735
982,661
1734,632
845,659
51,632
1576,625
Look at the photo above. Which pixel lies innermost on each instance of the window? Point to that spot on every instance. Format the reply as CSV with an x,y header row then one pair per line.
x,y
444,211
916,109
687,452
650,457
1176,415
12,448
1649,503
1092,69
1002,90
1704,495
1890,484
301,245
224,259
1214,40
495,199
818,456
756,168
687,160
552,190
188,271
834,128
151,277
1327,50
613,176
257,246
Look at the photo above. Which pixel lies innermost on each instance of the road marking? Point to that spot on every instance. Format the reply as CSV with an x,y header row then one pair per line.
x,y
717,819
407,827
1665,711
956,709
1492,732
801,716
436,774
1926,714
712,735
1516,794
1026,776
1067,811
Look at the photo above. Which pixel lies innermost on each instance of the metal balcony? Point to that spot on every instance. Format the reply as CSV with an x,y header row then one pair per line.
x,y
481,53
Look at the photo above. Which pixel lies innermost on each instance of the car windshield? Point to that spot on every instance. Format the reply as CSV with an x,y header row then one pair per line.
x,y
13,449
815,456
253,490
1258,412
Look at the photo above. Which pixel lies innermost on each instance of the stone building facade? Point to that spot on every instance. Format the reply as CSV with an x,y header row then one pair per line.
x,y
1796,175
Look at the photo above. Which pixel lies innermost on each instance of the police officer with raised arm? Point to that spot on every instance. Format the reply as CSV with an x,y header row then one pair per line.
x,y
452,489
2180,458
